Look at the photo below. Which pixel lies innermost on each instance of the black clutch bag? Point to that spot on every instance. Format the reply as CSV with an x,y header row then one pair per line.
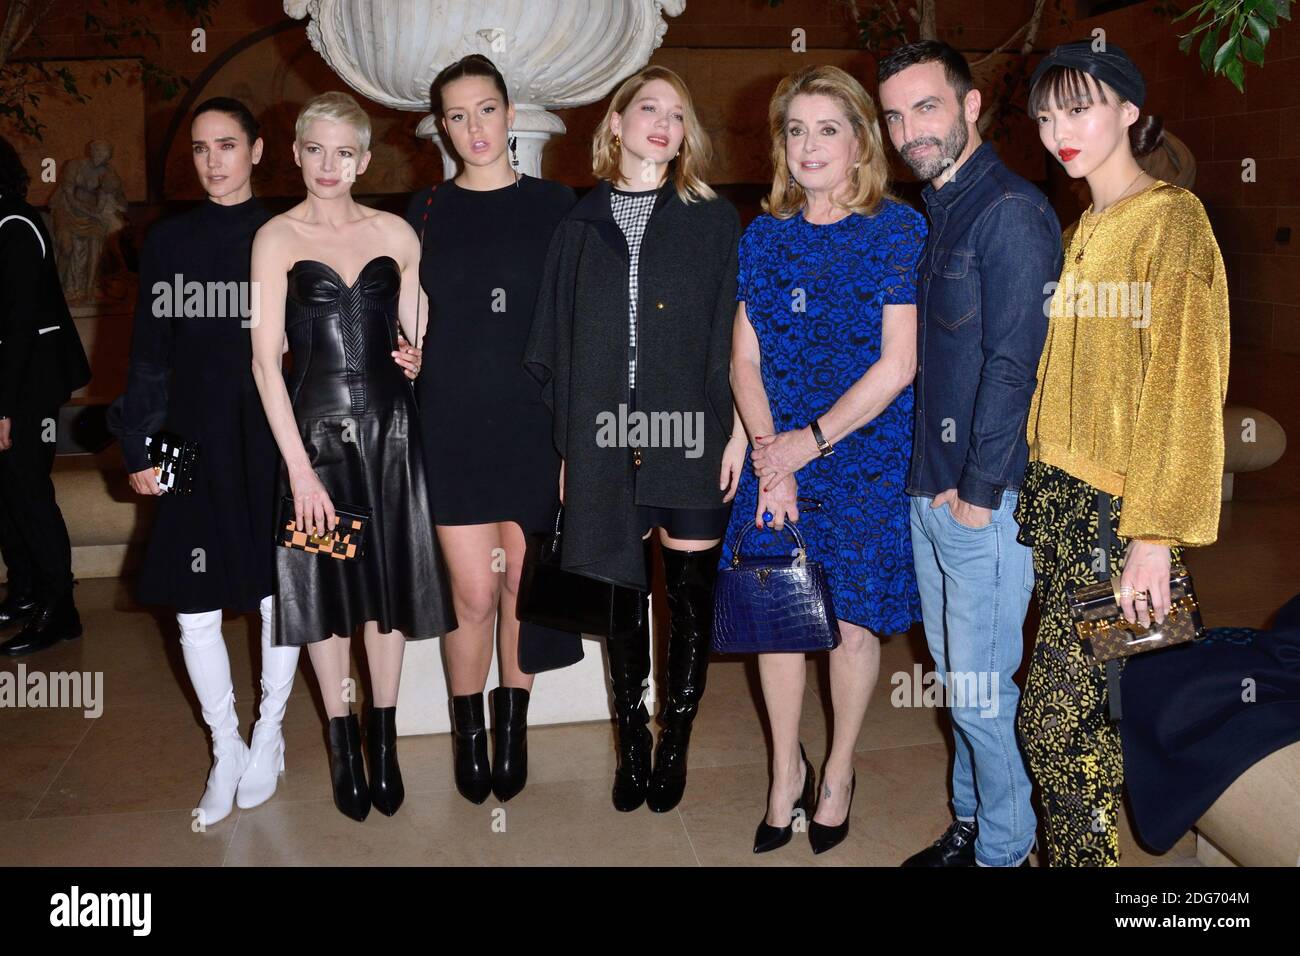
x,y
553,597
773,604
345,543
174,460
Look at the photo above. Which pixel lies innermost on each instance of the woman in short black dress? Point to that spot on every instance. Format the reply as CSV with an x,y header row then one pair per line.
x,y
487,435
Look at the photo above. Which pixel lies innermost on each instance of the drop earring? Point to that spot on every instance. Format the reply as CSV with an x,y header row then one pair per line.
x,y
514,156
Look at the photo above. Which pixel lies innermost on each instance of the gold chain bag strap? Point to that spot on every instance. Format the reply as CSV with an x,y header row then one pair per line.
x,y
1099,622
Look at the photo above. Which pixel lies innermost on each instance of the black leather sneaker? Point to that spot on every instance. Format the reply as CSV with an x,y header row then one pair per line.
x,y
955,848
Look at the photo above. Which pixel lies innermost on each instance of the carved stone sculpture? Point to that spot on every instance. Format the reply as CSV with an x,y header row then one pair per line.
x,y
554,54
87,208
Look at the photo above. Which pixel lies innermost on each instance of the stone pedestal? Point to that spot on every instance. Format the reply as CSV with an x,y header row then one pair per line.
x,y
565,696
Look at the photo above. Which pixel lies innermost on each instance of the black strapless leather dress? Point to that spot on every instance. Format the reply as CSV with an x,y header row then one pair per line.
x,y
357,416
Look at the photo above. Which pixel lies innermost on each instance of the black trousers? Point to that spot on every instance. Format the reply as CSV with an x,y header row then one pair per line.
x,y
33,538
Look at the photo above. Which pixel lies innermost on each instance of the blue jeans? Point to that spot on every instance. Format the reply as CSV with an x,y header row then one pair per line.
x,y
975,587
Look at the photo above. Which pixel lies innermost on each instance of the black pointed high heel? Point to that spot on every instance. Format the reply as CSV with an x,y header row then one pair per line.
x,y
510,730
469,746
824,837
386,789
347,771
768,837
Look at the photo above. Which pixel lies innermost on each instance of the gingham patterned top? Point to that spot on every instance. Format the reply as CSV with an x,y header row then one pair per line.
x,y
632,213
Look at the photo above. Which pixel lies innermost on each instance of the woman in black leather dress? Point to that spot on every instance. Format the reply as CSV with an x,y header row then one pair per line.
x,y
333,280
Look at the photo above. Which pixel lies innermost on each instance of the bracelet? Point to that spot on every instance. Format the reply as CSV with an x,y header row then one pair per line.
x,y
824,448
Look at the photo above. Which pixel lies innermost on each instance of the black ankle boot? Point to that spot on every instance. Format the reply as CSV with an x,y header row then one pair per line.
x,y
690,576
386,790
470,748
348,772
510,728
629,670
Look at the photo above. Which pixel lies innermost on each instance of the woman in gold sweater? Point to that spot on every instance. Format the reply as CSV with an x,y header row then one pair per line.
x,y
1127,419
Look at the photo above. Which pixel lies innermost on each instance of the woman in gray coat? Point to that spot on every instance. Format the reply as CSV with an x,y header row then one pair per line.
x,y
631,342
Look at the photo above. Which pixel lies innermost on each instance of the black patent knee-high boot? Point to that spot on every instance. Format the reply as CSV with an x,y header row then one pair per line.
x,y
510,728
386,789
347,769
470,748
690,576
629,675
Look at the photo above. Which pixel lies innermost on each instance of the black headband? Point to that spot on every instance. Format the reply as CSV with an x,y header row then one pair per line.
x,y
1111,66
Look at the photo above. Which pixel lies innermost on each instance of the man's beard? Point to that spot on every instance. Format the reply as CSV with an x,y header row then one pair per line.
x,y
948,150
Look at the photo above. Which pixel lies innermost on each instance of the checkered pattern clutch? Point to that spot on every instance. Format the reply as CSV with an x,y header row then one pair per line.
x,y
174,460
345,543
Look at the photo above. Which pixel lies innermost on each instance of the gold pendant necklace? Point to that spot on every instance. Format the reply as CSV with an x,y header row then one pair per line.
x,y
1079,257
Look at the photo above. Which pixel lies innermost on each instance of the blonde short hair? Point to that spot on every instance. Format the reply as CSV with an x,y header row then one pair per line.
x,y
868,180
692,163
335,107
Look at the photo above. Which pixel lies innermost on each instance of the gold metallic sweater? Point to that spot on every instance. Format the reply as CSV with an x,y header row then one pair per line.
x,y
1133,377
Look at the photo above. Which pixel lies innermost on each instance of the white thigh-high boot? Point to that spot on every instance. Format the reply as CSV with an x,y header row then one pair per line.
x,y
266,762
208,663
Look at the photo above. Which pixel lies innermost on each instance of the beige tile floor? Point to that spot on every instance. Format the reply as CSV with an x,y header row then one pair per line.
x,y
118,790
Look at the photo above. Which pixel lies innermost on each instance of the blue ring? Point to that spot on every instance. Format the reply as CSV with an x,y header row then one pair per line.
x,y
767,516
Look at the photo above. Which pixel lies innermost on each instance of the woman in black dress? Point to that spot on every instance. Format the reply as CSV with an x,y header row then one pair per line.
x,y
634,319
487,435
335,278
190,375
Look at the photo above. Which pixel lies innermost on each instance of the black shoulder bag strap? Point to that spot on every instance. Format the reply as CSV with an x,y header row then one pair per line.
x,y
1105,537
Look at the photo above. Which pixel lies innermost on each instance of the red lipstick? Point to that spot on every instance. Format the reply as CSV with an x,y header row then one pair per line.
x,y
1067,154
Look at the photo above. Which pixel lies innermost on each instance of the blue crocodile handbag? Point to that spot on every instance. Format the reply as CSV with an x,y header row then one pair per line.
x,y
764,604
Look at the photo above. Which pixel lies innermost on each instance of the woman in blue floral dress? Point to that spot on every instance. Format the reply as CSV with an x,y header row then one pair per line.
x,y
823,355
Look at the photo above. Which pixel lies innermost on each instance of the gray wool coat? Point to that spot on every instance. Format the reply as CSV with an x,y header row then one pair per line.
x,y
579,351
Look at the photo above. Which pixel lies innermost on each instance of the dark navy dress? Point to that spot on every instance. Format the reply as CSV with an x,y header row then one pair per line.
x,y
191,374
815,295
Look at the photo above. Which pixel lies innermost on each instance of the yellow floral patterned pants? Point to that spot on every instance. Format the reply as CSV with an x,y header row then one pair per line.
x,y
1072,747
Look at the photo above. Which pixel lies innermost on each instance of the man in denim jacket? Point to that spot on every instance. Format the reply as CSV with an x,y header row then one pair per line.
x,y
993,247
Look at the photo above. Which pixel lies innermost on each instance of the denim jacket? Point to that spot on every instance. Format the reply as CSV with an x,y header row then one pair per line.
x,y
993,248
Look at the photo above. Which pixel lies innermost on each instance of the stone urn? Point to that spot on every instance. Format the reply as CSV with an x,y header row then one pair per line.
x,y
554,54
